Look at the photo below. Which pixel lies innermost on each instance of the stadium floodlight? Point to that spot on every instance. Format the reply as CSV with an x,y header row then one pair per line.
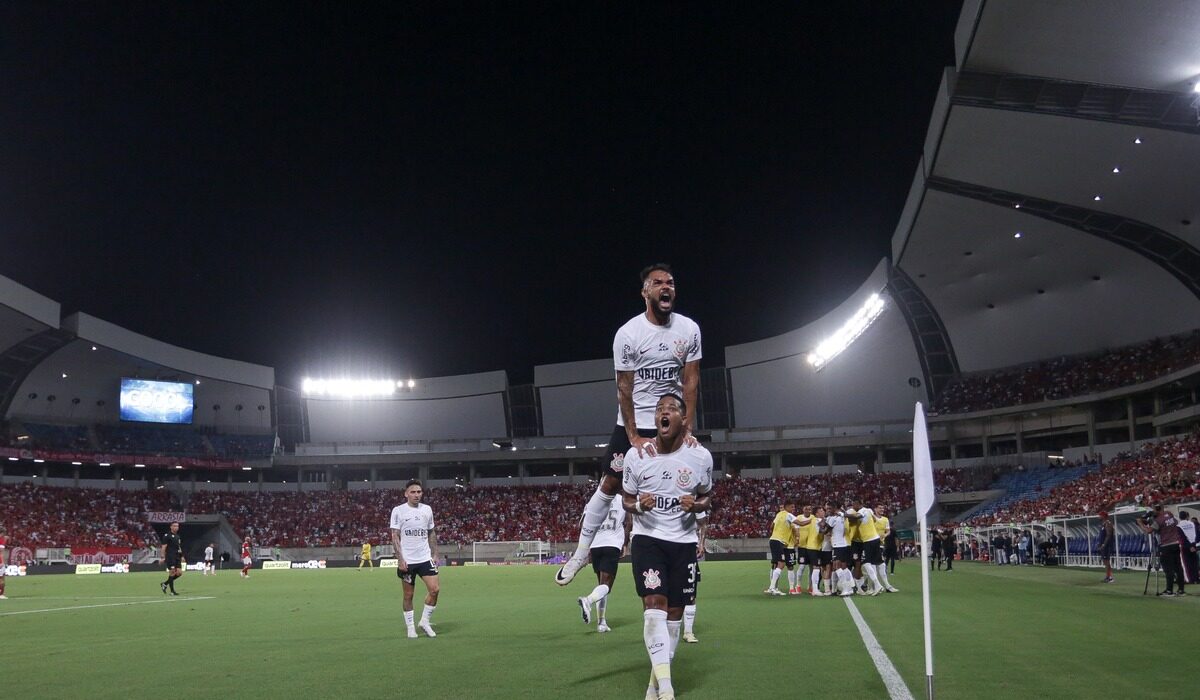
x,y
833,346
246,469
140,465
412,383
105,464
348,388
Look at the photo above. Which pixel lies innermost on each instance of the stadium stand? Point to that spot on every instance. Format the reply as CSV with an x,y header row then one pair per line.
x,y
1163,472
242,446
65,437
123,439
1065,377
48,516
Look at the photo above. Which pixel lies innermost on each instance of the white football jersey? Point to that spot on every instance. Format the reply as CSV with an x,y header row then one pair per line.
x,y
208,554
669,477
837,531
414,525
612,531
656,356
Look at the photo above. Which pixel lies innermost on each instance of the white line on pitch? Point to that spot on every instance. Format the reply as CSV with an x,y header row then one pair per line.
x,y
891,677
109,605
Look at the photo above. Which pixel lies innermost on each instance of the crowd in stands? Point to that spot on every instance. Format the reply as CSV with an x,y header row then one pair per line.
x,y
48,516
1163,472
242,446
60,437
549,513
1065,377
175,441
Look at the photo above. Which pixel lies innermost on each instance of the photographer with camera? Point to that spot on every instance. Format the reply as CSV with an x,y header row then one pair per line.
x,y
1170,554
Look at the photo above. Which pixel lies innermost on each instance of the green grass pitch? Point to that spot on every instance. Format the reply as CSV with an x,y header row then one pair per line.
x,y
509,632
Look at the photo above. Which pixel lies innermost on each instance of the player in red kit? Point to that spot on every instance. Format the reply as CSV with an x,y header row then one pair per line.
x,y
246,560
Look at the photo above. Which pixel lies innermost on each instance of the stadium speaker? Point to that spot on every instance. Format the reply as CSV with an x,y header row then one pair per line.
x,y
100,402
33,395
51,397
216,406
75,401
237,407
262,407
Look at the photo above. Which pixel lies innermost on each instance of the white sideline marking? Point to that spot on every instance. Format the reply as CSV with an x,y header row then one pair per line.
x,y
891,677
109,605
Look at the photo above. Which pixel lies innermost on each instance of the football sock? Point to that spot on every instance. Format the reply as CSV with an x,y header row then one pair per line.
x,y
658,646
408,618
171,582
601,606
883,577
689,618
673,630
791,579
593,517
870,569
597,594
816,579
858,582
800,577
427,612
774,578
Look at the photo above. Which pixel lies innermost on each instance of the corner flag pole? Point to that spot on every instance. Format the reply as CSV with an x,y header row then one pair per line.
x,y
923,487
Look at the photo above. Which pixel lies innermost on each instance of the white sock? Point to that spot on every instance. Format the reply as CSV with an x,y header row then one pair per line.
x,y
870,569
816,579
791,579
673,630
658,646
601,606
594,514
826,586
689,618
427,612
882,570
774,578
597,594
858,582
408,619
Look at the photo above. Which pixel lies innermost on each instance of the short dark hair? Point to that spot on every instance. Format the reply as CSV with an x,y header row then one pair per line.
x,y
413,482
678,399
656,266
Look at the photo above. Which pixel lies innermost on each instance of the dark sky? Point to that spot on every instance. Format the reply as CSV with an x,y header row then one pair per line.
x,y
440,188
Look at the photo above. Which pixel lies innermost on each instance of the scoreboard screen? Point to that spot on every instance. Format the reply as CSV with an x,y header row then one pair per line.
x,y
147,401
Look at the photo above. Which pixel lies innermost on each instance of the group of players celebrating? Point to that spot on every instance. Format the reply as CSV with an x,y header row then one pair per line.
x,y
843,549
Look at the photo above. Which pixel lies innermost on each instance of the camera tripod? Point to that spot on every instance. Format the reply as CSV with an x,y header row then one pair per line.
x,y
1154,564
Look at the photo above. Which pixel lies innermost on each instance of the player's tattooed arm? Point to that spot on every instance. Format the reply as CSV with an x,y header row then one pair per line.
x,y
433,545
644,446
691,387
399,552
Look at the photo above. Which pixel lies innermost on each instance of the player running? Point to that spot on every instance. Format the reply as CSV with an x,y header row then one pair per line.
x,y
610,543
247,562
415,543
171,550
664,491
655,353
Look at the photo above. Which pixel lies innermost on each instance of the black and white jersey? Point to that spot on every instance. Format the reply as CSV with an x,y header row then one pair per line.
x,y
668,477
208,554
656,356
414,525
837,531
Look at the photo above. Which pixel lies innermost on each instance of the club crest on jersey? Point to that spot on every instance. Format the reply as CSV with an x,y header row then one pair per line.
x,y
618,462
651,579
683,479
681,348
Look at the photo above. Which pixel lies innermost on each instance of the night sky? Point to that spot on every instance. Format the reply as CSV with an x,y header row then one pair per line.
x,y
440,188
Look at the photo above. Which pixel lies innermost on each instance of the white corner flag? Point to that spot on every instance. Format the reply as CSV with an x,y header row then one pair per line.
x,y
923,487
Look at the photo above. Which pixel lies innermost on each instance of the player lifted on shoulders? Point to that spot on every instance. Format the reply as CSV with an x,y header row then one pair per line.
x,y
664,491
415,543
247,561
607,548
655,353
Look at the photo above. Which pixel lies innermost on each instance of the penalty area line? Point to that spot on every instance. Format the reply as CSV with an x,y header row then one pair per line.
x,y
109,605
896,688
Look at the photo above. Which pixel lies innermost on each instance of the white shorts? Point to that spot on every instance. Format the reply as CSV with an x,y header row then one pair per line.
x,y
245,561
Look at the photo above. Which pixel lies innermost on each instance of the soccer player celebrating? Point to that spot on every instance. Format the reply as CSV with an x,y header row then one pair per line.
x,y
884,527
3,560
415,543
664,491
656,352
611,541
365,557
872,547
807,546
246,560
171,550
842,557
782,543
208,561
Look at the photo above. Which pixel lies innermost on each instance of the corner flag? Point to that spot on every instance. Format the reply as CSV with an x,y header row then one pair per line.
x,y
923,486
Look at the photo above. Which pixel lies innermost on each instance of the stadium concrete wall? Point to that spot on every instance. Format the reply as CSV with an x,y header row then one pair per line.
x,y
577,398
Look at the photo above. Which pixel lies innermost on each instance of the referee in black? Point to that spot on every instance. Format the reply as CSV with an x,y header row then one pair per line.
x,y
172,552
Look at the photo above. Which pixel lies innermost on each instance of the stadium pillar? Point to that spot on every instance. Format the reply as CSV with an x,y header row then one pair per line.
x,y
522,472
229,481
953,453
471,473
1158,409
299,479
829,459
75,475
879,455
374,476
1020,443
423,472
260,481
776,464
1091,428
116,477
570,468
1130,420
